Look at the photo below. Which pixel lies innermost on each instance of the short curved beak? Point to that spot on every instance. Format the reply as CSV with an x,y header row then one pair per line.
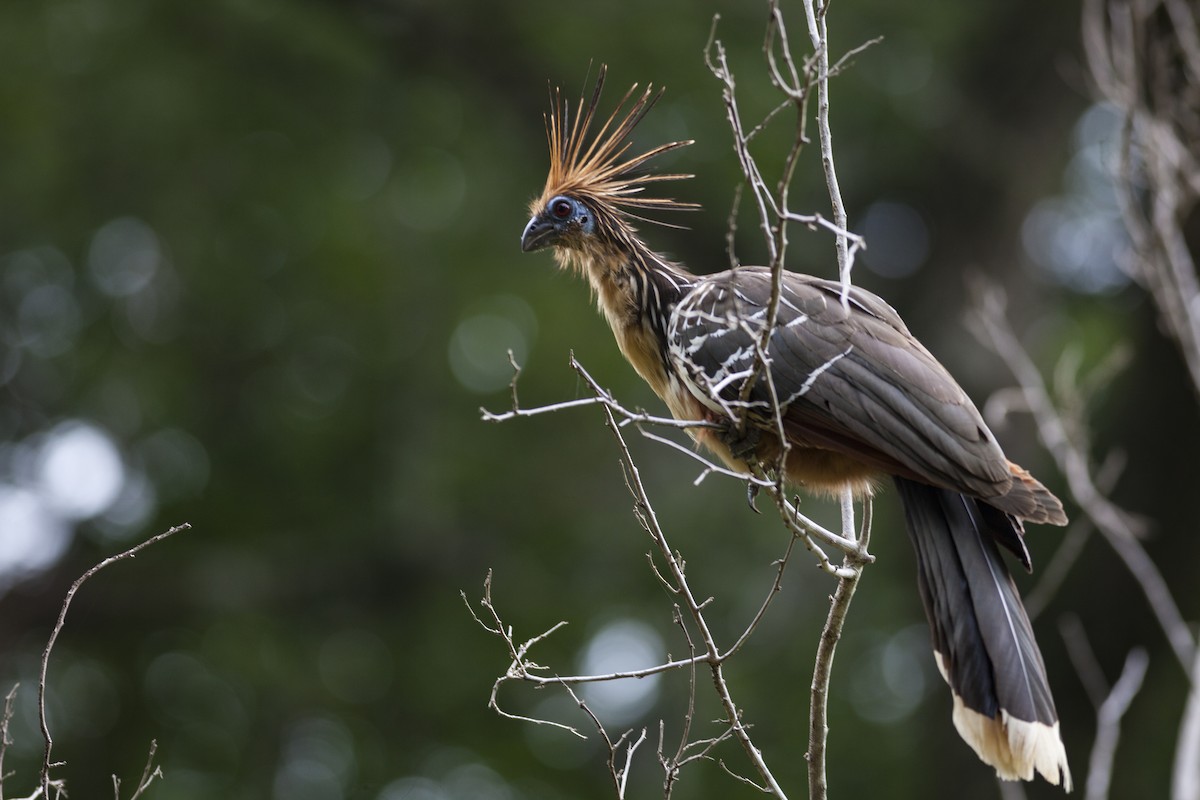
x,y
538,233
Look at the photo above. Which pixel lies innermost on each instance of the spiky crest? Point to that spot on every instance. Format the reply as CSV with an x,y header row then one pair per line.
x,y
596,168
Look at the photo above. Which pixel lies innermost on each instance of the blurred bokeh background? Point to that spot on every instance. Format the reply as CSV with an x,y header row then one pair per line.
x,y
259,271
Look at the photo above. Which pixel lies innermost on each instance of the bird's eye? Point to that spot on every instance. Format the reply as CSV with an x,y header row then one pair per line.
x,y
561,208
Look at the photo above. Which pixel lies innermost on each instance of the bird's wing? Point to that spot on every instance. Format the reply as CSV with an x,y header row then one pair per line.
x,y
848,378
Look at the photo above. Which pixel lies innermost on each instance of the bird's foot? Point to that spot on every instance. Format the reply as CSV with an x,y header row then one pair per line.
x,y
741,438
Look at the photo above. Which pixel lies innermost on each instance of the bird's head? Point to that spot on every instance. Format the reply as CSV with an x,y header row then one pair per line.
x,y
594,184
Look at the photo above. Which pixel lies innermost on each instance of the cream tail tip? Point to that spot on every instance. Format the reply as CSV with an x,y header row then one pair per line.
x,y
1014,747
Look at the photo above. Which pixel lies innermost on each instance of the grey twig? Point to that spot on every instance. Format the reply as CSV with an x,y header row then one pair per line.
x,y
1111,703
47,763
1113,523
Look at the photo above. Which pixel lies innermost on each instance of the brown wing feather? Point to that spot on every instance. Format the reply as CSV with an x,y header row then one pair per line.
x,y
853,380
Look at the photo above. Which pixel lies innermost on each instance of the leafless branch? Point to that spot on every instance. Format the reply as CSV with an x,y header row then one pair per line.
x,y
1185,774
1116,526
521,667
796,84
831,634
649,519
815,13
150,773
1111,703
1071,547
47,763
1143,60
5,740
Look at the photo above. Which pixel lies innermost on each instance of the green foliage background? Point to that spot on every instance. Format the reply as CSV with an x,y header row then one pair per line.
x,y
336,191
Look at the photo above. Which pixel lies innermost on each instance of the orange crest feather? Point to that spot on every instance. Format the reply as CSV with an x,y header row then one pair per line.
x,y
596,167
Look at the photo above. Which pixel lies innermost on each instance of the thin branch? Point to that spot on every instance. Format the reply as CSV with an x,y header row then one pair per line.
x,y
1114,524
839,607
1108,723
1111,704
649,518
1185,775
1056,571
47,763
818,33
796,522
619,775
5,740
672,766
601,396
623,773
149,774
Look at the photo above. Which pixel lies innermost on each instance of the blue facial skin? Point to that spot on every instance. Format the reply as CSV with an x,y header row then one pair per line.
x,y
562,217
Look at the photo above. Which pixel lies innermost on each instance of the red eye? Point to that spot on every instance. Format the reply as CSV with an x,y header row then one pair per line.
x,y
561,208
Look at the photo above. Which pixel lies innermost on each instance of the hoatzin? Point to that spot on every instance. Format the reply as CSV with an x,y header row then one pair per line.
x,y
859,399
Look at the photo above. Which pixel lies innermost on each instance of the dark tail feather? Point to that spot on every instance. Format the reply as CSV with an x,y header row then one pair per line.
x,y
982,638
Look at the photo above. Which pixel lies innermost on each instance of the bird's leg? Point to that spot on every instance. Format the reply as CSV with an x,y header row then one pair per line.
x,y
742,439
740,436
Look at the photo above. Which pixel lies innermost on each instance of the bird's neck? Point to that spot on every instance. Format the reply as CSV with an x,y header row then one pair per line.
x,y
636,289
633,285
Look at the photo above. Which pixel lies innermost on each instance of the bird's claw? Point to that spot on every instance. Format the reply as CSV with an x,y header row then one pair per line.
x,y
752,496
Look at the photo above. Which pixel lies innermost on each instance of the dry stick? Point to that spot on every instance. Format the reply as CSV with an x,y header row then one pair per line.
x,y
149,773
1110,703
818,33
1153,201
1158,175
619,775
818,725
720,69
58,626
773,232
1108,723
1070,548
601,396
671,766
649,519
796,522
4,740
1185,775
1072,461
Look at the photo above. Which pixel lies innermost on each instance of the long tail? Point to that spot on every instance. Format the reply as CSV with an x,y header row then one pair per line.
x,y
982,639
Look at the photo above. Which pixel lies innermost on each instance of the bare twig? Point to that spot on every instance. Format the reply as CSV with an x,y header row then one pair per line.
x,y
1070,548
5,741
815,14
149,774
774,214
831,634
1110,703
1108,723
1144,60
622,774
520,668
672,765
601,396
1059,566
1114,524
645,512
47,763
1185,774
1158,168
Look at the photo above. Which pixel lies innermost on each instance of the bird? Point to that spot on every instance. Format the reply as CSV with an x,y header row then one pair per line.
x,y
859,401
